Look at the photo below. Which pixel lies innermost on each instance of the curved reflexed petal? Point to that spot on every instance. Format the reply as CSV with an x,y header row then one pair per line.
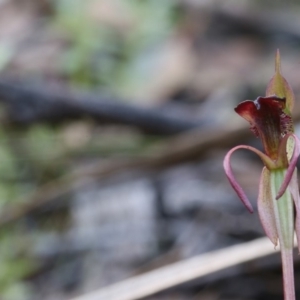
x,y
264,116
265,207
293,152
228,170
294,189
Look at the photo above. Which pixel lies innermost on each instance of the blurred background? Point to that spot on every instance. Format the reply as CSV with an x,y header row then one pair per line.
x,y
115,118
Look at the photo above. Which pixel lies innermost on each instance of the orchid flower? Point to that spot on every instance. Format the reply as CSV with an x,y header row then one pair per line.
x,y
270,120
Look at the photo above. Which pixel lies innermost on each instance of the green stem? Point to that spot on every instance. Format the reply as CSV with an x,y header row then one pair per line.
x,y
284,216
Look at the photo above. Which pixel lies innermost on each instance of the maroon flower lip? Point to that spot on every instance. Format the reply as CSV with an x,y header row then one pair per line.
x,y
268,121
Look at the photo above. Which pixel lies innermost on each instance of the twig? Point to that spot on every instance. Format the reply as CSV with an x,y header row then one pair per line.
x,y
163,278
27,105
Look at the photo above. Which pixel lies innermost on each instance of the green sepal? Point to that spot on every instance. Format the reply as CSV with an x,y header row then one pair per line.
x,y
279,87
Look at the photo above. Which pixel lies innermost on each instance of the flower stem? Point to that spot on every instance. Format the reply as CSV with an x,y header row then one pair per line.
x,y
288,274
284,216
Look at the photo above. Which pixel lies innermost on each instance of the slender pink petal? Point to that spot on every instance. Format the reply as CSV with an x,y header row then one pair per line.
x,y
291,167
265,207
294,189
228,170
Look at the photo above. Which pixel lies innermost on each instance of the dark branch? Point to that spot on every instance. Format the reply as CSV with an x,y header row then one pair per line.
x,y
26,105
